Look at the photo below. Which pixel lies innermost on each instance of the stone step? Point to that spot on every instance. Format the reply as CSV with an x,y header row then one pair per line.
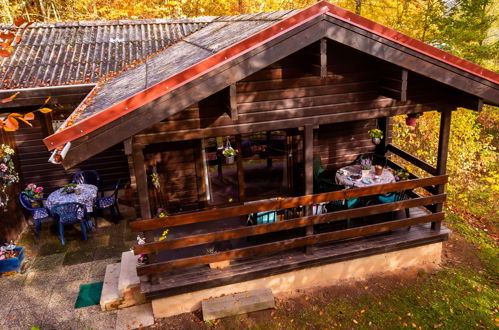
x,y
128,274
129,281
110,297
239,303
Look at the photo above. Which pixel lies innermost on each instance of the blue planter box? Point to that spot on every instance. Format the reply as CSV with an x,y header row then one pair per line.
x,y
12,264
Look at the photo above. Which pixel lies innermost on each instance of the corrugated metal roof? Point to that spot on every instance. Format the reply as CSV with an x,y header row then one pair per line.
x,y
83,52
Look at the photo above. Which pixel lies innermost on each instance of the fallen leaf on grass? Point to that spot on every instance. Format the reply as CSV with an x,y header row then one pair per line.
x,y
355,321
436,326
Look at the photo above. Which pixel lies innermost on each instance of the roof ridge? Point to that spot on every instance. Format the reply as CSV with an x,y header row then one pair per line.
x,y
187,20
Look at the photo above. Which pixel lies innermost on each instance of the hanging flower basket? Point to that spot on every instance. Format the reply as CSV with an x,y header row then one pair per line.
x,y
376,135
229,153
412,119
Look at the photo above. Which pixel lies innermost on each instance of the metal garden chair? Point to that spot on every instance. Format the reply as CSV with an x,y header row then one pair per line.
x,y
39,214
88,177
393,197
110,202
69,213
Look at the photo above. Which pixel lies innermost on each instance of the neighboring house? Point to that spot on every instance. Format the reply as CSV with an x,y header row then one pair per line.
x,y
288,90
64,61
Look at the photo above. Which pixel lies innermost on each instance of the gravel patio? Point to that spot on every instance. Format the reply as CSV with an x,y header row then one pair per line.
x,y
44,294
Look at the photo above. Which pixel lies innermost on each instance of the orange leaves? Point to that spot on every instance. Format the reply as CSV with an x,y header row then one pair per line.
x,y
29,116
12,36
45,110
11,122
10,98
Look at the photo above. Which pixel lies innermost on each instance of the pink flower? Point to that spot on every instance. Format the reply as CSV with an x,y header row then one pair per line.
x,y
31,186
39,190
3,167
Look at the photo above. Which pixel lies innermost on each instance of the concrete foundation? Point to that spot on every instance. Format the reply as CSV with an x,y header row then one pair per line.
x,y
425,257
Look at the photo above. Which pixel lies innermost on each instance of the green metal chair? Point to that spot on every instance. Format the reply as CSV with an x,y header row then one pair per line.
x,y
323,178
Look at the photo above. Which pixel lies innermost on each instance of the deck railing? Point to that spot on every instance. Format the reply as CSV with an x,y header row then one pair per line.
x,y
305,202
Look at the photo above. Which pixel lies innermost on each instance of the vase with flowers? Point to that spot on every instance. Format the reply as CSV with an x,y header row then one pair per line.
x,y
365,166
412,119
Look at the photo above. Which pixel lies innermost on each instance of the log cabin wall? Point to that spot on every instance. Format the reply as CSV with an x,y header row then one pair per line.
x,y
288,89
35,168
178,168
340,144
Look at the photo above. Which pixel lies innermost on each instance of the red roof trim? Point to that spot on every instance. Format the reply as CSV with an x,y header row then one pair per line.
x,y
412,43
150,94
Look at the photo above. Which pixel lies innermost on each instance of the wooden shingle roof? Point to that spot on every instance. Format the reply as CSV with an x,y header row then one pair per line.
x,y
56,54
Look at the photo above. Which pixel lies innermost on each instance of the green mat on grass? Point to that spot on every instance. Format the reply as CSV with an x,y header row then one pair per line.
x,y
89,294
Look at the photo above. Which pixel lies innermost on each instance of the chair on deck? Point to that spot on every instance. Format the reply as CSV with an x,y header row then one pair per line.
x,y
69,213
343,204
39,214
110,202
88,177
323,178
393,197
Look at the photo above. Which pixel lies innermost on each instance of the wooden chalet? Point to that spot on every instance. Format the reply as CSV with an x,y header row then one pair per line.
x,y
283,88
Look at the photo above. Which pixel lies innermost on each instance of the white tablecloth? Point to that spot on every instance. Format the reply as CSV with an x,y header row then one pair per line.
x,y
88,193
343,177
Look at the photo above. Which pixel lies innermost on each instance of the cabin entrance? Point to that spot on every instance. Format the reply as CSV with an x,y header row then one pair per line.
x,y
267,165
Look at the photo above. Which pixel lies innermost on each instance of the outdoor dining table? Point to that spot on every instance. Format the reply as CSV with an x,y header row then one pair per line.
x,y
85,194
344,177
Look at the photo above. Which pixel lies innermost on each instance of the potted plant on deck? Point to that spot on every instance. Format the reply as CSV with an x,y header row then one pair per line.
x,y
376,135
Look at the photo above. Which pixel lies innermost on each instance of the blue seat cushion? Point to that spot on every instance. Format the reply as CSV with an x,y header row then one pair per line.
x,y
352,202
387,198
266,217
104,202
40,213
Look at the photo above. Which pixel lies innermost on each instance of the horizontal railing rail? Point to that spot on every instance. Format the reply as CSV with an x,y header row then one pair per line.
x,y
285,203
412,159
223,235
285,245
297,222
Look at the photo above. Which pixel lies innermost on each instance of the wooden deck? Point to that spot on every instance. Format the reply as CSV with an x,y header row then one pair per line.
x,y
202,277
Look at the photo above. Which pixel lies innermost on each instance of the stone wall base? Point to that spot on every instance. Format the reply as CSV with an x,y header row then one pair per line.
x,y
426,257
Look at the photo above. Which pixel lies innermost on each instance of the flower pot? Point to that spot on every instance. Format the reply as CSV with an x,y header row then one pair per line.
x,y
12,264
229,160
411,121
365,173
376,140
220,264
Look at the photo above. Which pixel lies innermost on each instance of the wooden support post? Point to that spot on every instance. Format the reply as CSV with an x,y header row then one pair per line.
x,y
403,88
308,150
240,169
269,159
443,147
233,103
200,183
323,52
143,194
384,124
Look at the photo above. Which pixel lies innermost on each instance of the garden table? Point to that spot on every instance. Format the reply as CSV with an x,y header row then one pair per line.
x,y
343,176
86,196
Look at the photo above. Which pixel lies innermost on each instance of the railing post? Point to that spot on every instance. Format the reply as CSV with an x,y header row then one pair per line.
x,y
308,150
143,193
443,148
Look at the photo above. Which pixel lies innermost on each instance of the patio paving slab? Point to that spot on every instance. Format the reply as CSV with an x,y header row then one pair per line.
x,y
135,317
92,317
